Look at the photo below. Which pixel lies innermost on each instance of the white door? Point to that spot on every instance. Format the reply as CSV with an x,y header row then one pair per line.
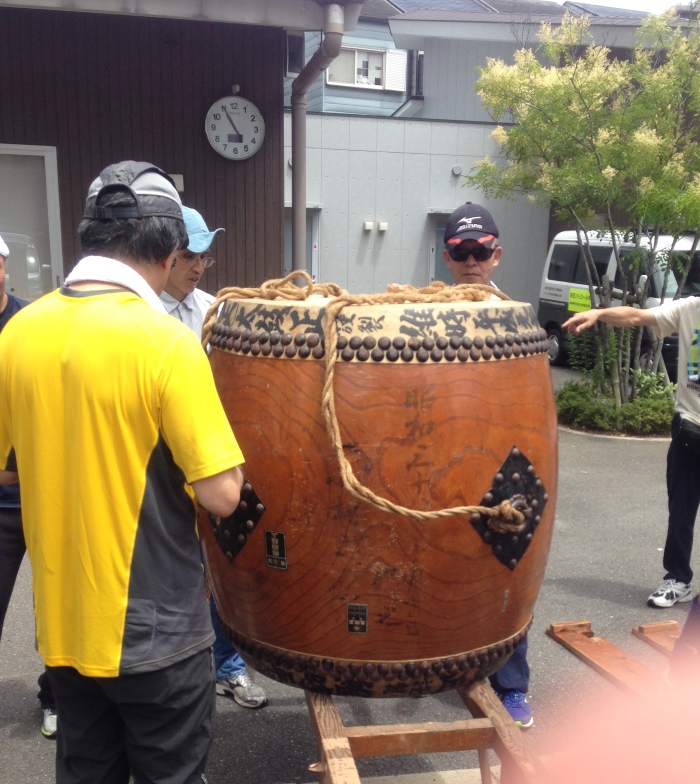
x,y
30,220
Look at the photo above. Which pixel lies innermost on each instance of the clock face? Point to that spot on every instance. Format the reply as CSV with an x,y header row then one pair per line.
x,y
235,128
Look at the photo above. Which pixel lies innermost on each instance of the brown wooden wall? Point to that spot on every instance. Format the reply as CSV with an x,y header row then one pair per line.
x,y
103,88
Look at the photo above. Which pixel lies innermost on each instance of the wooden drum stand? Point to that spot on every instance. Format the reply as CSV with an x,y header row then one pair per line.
x,y
492,728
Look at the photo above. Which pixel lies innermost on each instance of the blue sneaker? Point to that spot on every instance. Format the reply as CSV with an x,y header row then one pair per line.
x,y
515,703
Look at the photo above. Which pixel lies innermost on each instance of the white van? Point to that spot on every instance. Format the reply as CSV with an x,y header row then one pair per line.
x,y
564,288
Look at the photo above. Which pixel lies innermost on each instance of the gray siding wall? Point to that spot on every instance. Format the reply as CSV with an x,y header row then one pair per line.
x,y
451,73
348,100
400,171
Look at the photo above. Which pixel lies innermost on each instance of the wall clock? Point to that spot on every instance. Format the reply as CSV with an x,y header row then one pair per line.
x,y
235,127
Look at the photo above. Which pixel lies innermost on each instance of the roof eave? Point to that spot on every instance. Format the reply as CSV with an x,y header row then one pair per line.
x,y
414,33
295,14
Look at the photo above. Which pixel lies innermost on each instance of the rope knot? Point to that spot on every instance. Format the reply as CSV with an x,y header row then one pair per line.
x,y
507,518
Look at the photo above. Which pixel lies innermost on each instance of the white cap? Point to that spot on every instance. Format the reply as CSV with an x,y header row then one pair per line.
x,y
4,250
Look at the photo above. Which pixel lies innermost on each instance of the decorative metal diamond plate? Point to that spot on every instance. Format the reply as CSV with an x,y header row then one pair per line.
x,y
232,532
517,482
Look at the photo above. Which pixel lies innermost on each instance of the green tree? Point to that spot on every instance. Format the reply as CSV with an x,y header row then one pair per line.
x,y
594,134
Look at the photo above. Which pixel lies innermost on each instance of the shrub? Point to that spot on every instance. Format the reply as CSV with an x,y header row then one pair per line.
x,y
647,416
653,386
579,404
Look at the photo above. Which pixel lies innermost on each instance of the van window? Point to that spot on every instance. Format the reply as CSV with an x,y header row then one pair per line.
x,y
601,258
692,282
634,264
563,262
568,265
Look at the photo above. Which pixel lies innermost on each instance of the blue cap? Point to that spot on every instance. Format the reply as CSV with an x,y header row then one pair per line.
x,y
200,236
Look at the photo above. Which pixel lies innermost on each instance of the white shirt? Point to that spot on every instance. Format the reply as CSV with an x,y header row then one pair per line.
x,y
682,316
191,311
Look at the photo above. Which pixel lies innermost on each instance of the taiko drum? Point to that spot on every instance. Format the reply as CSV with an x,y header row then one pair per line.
x,y
439,405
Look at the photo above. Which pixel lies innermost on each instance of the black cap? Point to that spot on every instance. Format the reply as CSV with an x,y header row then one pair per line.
x,y
153,192
470,222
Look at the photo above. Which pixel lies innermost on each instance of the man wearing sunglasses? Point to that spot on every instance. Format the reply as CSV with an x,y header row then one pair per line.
x,y
471,252
472,249
181,297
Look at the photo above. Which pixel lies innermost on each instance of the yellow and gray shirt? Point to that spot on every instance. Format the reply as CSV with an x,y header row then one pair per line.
x,y
111,407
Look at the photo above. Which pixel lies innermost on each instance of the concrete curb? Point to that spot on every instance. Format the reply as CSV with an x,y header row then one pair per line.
x,y
667,439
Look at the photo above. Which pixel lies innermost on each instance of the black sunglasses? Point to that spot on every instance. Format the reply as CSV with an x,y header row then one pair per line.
x,y
462,253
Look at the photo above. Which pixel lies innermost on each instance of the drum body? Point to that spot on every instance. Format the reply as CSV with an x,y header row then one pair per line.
x,y
439,405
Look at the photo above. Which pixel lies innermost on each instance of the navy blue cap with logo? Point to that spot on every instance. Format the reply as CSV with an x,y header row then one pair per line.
x,y
470,222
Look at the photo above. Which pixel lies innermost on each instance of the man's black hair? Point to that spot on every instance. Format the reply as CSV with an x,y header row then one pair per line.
x,y
149,240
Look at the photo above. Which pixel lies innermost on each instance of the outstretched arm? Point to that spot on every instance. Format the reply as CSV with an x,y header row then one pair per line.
x,y
617,317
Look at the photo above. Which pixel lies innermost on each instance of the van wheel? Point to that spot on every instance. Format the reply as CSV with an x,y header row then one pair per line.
x,y
557,350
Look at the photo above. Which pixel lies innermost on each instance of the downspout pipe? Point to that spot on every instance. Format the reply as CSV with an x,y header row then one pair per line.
x,y
333,27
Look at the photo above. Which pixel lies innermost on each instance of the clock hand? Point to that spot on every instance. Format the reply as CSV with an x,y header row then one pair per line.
x,y
231,121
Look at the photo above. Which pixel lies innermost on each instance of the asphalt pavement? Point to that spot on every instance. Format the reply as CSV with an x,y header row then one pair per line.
x,y
604,562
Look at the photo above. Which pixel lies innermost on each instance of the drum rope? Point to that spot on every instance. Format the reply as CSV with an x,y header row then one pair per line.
x,y
503,518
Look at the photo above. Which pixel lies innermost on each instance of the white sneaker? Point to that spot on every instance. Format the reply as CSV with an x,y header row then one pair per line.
x,y
670,592
243,690
50,724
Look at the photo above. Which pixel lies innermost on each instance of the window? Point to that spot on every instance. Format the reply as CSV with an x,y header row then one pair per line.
x,y
377,69
29,219
568,265
692,283
563,263
635,262
601,258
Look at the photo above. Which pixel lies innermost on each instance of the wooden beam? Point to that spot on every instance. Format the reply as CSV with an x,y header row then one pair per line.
x,y
610,661
485,767
429,737
336,764
519,764
661,635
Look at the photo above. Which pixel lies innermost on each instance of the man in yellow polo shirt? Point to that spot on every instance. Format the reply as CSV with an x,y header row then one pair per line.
x,y
111,408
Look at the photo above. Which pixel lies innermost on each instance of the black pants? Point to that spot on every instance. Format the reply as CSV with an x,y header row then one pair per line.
x,y
156,726
683,482
12,549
